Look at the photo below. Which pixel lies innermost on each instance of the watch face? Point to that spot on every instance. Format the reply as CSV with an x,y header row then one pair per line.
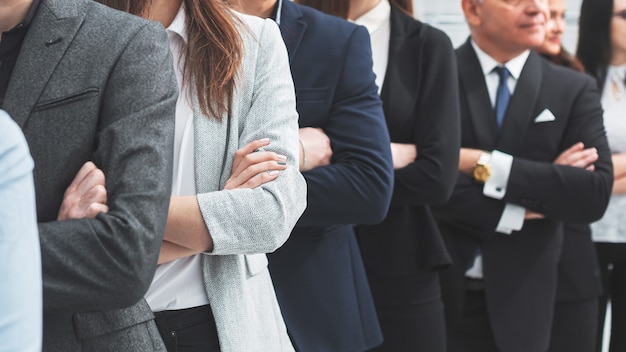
x,y
481,173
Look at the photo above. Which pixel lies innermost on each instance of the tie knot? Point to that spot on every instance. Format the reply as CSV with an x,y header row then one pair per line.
x,y
502,72
502,93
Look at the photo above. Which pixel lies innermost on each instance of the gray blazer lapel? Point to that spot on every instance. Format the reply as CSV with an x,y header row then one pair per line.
x,y
50,34
520,111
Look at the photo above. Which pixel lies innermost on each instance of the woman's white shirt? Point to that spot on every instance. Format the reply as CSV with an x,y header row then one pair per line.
x,y
179,284
611,228
378,24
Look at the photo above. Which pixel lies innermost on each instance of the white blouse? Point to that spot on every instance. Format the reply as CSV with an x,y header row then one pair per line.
x,y
179,284
612,228
378,24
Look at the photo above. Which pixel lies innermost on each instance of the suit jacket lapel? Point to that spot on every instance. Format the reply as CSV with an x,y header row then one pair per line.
x,y
48,37
402,76
292,27
473,85
520,111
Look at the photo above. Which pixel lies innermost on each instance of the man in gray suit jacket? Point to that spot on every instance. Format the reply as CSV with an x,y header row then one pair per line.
x,y
87,83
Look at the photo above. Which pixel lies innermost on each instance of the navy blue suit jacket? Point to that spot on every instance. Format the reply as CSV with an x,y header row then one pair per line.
x,y
318,274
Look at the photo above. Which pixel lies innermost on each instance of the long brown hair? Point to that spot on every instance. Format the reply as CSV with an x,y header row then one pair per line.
x,y
340,8
213,53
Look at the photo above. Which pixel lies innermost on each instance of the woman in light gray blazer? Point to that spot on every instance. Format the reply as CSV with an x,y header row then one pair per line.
x,y
237,192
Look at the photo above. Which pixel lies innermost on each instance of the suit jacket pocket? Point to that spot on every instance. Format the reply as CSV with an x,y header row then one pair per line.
x,y
93,324
255,263
67,99
311,94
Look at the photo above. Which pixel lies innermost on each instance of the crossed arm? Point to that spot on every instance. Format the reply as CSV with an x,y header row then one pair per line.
x,y
576,156
315,150
619,173
185,233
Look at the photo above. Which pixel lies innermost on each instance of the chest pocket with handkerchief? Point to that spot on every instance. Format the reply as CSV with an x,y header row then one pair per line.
x,y
544,134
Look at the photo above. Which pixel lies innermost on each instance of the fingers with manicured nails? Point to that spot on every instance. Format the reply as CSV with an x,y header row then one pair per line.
x,y
252,168
246,150
260,178
256,164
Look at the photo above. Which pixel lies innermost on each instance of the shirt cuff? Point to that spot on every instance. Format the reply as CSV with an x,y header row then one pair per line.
x,y
512,219
495,187
476,270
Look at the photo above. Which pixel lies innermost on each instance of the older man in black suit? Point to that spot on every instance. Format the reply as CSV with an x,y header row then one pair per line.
x,y
519,179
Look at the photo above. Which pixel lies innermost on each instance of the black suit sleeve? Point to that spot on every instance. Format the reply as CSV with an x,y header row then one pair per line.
x,y
431,178
562,192
558,192
470,210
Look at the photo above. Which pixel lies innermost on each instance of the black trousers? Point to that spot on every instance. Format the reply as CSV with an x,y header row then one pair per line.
x,y
612,258
410,312
188,330
473,333
574,328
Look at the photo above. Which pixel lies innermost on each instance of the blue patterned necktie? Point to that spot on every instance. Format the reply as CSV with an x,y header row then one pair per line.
x,y
502,94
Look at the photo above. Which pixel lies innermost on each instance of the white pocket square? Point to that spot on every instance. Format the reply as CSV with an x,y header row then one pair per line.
x,y
545,116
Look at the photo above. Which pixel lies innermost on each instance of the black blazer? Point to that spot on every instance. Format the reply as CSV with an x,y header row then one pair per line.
x,y
520,269
421,104
578,269
318,273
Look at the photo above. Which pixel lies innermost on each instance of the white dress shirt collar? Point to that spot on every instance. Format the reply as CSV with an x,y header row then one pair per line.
x,y
377,21
375,18
488,63
179,284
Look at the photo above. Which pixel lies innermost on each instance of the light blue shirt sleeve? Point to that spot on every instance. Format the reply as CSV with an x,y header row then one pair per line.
x,y
20,257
